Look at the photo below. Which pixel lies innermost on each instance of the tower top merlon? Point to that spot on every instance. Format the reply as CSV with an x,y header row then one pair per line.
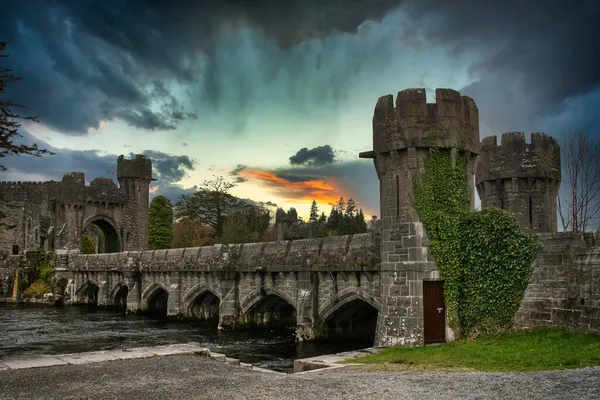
x,y
138,168
453,119
514,158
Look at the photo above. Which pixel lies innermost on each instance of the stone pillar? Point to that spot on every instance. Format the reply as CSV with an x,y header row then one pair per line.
x,y
174,300
230,303
306,313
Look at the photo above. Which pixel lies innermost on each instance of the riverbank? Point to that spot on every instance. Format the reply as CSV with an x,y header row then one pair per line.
x,y
195,377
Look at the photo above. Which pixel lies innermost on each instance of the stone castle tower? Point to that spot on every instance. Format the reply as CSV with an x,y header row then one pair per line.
x,y
522,178
134,180
401,142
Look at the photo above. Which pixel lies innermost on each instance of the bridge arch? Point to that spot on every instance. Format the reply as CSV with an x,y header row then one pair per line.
x,y
350,314
156,296
88,293
268,306
118,295
109,228
203,302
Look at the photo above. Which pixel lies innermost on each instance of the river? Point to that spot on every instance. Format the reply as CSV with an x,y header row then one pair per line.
x,y
27,330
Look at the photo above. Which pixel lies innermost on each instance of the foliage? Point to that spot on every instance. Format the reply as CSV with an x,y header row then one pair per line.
x,y
345,219
40,273
87,245
579,200
210,204
526,350
496,266
37,290
9,120
247,225
160,223
484,258
189,232
101,239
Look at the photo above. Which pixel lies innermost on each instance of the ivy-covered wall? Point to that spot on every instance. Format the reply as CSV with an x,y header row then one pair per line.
x,y
483,256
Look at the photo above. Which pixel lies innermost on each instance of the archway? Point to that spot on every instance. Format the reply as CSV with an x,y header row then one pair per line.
x,y
157,303
88,294
120,298
270,311
353,318
103,233
205,307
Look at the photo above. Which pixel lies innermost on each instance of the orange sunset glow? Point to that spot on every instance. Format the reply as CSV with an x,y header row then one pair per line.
x,y
325,191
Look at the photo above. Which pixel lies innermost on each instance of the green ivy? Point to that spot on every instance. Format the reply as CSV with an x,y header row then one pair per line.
x,y
483,256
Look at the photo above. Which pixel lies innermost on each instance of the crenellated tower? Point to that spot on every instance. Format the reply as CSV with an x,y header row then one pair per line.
x,y
401,142
522,178
134,179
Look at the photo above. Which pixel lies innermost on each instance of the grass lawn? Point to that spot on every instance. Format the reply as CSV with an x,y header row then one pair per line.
x,y
526,350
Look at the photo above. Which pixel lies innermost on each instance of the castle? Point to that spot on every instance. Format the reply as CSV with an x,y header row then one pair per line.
x,y
384,282
54,215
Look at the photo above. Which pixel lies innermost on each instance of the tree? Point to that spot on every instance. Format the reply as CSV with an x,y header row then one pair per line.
x,y
579,205
189,232
9,120
210,204
160,223
247,225
87,245
314,211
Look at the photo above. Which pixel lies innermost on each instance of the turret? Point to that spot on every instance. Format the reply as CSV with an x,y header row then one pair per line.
x,y
401,141
520,177
134,180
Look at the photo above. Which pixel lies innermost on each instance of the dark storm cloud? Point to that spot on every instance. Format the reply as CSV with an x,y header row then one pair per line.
x,y
317,156
169,167
531,55
236,173
172,191
101,60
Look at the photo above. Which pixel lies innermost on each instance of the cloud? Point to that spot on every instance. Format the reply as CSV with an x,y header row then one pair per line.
x,y
325,184
236,173
169,167
527,56
124,60
317,156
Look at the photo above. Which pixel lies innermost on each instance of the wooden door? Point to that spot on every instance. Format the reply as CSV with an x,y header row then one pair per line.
x,y
434,312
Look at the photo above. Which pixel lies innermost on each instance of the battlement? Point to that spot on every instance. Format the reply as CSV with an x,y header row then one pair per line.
x,y
283,216
514,158
26,183
138,168
411,121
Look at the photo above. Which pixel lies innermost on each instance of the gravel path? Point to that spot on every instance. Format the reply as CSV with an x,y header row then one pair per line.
x,y
191,377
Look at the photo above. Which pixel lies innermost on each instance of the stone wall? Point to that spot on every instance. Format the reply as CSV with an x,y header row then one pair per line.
x,y
564,289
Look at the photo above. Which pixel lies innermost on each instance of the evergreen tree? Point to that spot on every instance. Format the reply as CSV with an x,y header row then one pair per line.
x,y
314,211
160,229
323,217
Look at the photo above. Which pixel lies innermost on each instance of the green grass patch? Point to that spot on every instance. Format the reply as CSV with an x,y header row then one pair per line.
x,y
524,350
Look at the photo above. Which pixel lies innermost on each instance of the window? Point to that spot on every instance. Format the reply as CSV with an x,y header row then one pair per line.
x,y
15,249
530,212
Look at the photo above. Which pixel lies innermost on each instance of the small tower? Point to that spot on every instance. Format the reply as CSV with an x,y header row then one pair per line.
x,y
401,143
522,178
134,180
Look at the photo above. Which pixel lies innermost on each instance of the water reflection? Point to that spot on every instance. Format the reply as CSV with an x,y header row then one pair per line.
x,y
29,330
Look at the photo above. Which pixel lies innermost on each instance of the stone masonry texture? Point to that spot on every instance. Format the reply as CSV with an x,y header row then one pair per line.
x,y
54,215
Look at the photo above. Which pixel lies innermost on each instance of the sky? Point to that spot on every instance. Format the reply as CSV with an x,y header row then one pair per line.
x,y
278,97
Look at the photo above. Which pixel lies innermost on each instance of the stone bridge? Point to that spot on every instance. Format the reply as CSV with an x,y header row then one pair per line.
x,y
322,286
